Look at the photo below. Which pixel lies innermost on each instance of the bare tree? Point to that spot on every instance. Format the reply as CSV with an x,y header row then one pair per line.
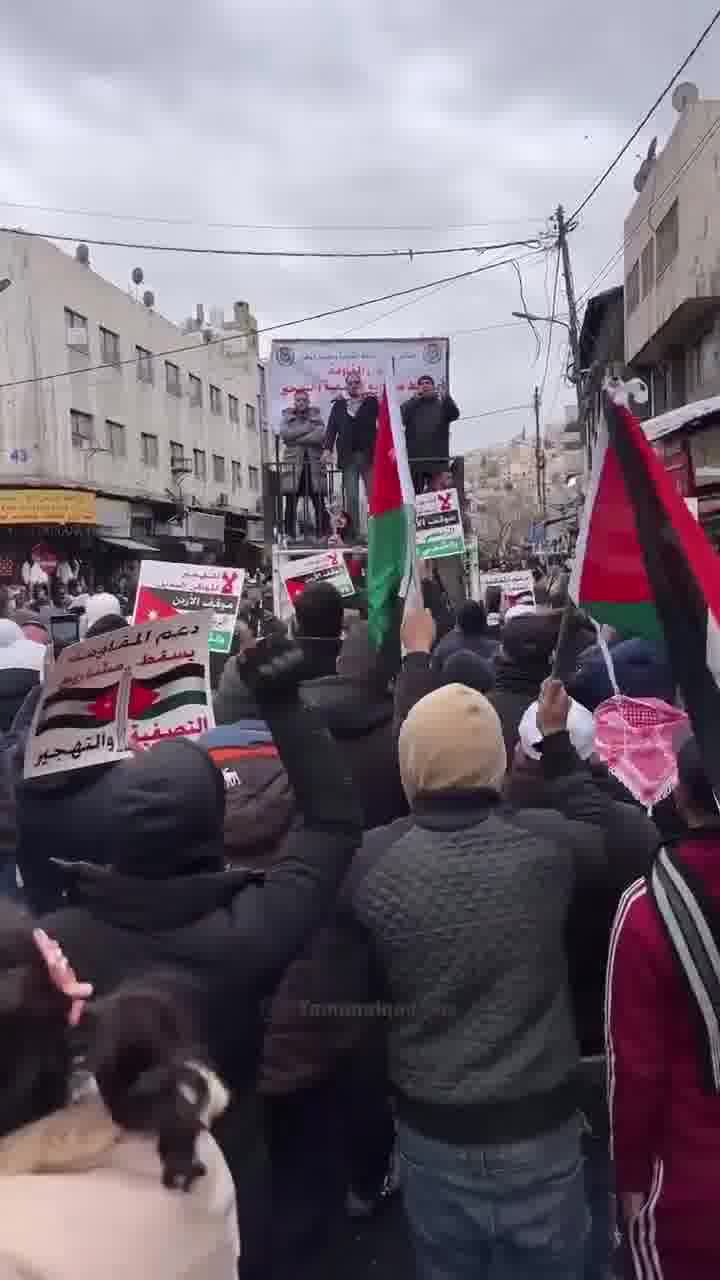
x,y
502,521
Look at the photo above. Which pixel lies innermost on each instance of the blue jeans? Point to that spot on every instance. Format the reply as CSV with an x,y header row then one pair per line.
x,y
512,1212
357,466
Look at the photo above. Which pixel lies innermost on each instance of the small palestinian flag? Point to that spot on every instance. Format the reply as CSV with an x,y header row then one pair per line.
x,y
82,709
644,565
183,686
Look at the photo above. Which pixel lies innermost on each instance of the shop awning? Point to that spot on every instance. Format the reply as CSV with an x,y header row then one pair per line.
x,y
128,544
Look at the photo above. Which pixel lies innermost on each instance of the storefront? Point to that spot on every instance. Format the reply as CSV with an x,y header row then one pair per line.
x,y
687,441
47,540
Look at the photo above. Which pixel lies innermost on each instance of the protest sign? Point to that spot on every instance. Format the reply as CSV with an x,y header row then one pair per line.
x,y
320,367
517,586
168,590
438,525
122,691
328,566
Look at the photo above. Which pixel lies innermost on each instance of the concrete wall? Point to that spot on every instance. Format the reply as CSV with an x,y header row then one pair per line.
x,y
35,432
695,272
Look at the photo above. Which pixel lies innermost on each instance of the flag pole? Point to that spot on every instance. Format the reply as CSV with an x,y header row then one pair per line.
x,y
563,662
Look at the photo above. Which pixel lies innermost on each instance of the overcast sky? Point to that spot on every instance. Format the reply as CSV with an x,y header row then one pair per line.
x,y
429,119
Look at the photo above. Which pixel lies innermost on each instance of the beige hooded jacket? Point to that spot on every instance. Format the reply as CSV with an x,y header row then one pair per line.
x,y
81,1199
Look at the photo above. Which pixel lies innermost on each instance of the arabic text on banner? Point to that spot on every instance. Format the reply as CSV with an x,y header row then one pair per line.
x,y
168,590
320,368
328,566
438,525
120,692
518,587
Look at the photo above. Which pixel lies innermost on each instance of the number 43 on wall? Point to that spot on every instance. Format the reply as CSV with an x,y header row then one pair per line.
x,y
19,455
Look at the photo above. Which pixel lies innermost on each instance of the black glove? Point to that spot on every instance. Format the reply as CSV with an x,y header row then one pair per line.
x,y
272,669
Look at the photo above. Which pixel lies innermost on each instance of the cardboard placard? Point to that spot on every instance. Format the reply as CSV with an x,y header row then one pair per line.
x,y
438,525
167,590
327,566
119,692
517,586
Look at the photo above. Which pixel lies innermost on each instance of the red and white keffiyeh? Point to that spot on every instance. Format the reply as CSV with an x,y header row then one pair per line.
x,y
637,739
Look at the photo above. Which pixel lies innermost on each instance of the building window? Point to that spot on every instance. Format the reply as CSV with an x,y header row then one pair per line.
x,y
116,439
81,427
173,385
233,409
215,399
668,240
254,479
218,469
76,329
195,392
632,289
145,366
237,478
177,456
250,417
200,464
648,268
109,346
149,451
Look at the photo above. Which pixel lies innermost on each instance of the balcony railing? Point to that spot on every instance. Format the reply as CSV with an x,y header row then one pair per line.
x,y
301,501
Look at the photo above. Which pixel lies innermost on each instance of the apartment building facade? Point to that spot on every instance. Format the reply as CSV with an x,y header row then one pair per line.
x,y
672,261
156,424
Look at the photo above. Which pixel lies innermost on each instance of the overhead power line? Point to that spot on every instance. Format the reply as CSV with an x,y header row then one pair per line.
x,y
623,150
273,253
553,317
270,328
255,226
493,413
678,173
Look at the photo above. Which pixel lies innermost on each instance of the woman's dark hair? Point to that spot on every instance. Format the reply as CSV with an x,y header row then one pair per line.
x,y
138,1047
109,622
148,1076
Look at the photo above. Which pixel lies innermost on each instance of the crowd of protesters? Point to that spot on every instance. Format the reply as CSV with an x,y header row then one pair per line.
x,y
378,932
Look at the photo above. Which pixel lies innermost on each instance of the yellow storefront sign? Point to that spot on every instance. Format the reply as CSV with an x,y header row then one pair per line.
x,y
47,506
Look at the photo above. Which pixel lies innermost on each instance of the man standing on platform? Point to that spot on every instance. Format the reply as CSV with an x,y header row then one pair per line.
x,y
427,417
352,427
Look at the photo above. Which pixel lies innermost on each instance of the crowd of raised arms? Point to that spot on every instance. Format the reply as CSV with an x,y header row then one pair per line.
x,y
433,938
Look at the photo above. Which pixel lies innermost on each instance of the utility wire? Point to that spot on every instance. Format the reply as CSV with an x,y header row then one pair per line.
x,y
492,413
273,253
623,150
252,226
687,163
413,302
269,328
553,315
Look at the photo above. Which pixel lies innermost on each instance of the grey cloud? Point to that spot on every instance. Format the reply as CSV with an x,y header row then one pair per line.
x,y
292,113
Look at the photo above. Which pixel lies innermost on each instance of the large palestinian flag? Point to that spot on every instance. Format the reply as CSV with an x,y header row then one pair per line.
x,y
81,709
183,686
644,564
392,578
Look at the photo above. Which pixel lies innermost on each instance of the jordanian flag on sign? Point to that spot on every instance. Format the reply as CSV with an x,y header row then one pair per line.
x,y
183,686
644,565
392,579
82,709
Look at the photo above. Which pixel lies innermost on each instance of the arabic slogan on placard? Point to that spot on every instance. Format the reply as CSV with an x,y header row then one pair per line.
x,y
166,590
122,692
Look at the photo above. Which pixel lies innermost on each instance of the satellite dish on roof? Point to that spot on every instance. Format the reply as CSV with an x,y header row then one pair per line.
x,y
685,96
137,275
643,173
